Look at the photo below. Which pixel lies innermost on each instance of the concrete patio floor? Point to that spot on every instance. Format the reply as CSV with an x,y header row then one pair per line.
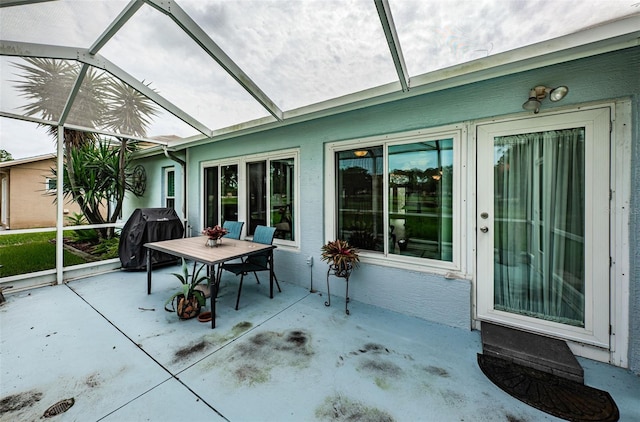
x,y
112,348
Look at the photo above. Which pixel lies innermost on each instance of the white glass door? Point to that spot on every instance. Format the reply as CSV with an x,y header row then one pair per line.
x,y
543,225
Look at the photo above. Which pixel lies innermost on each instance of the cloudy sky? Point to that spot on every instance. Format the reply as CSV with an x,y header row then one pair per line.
x,y
299,52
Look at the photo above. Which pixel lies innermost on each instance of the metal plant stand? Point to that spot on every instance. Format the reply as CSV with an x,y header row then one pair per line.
x,y
341,272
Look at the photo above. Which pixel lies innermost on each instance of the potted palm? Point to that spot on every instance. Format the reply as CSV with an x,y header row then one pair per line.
x,y
341,256
187,301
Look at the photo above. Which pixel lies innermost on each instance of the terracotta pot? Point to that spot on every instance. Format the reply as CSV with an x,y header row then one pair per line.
x,y
187,308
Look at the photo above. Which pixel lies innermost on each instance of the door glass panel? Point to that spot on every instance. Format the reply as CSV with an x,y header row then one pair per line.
x,y
257,195
539,237
211,196
282,197
229,188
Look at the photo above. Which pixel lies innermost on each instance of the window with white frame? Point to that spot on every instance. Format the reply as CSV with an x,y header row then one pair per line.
x,y
169,187
50,184
258,190
395,197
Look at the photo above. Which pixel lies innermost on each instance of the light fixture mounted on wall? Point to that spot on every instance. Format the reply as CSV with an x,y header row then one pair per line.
x,y
539,93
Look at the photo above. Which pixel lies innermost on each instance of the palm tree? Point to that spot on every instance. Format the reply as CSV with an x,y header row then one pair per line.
x,y
102,102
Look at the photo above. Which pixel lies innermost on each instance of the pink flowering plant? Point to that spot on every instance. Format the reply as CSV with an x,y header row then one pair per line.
x,y
340,254
215,232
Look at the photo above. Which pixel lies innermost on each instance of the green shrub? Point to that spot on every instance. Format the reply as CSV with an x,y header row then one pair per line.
x,y
107,248
81,234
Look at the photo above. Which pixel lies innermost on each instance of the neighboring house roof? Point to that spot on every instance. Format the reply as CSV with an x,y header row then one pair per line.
x,y
20,161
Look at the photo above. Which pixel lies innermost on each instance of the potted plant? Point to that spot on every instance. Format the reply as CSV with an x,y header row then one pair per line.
x,y
341,256
188,300
214,235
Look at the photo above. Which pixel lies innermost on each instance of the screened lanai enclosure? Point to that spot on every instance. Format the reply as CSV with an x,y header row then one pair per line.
x,y
466,148
214,67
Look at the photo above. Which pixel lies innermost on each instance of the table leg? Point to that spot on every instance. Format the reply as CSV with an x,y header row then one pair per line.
x,y
328,301
346,301
271,274
148,271
213,293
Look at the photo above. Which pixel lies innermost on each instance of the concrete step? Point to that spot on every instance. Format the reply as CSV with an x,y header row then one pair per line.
x,y
531,350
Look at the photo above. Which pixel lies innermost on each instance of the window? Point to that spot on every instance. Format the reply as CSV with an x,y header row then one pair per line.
x,y
228,201
170,188
51,184
396,197
259,190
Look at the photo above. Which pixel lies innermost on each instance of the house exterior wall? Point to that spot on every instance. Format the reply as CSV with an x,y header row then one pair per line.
x,y
634,242
154,193
29,204
443,299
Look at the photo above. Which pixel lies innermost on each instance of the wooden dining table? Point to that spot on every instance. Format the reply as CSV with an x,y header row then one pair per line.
x,y
196,249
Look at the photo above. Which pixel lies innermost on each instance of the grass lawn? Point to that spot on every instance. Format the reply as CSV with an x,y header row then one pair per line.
x,y
30,252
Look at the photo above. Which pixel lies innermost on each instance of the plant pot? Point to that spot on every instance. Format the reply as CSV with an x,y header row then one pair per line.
x,y
187,308
342,270
214,242
403,243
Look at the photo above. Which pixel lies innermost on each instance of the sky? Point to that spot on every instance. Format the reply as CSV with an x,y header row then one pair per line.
x,y
299,52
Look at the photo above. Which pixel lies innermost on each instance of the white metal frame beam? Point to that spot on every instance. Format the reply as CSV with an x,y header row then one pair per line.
x,y
72,95
115,26
197,34
20,49
386,19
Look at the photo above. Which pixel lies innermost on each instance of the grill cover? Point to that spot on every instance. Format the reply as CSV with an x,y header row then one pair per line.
x,y
148,225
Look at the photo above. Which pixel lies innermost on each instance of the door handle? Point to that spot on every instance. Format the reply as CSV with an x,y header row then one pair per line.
x,y
484,229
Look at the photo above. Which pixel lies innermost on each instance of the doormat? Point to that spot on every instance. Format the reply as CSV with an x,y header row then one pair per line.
x,y
556,396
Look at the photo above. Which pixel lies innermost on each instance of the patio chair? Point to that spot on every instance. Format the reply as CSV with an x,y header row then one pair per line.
x,y
234,229
254,263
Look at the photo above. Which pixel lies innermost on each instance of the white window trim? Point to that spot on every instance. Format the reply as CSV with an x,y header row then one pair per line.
x,y
165,187
619,230
454,269
241,162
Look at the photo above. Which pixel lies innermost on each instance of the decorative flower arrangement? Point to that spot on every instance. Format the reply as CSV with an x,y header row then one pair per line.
x,y
214,233
340,254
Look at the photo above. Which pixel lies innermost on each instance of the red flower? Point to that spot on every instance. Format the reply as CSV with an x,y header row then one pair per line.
x,y
214,233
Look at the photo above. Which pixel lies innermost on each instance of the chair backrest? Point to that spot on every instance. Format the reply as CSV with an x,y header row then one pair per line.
x,y
234,228
264,234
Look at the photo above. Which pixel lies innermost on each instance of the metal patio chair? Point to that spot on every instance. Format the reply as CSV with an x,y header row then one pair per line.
x,y
254,263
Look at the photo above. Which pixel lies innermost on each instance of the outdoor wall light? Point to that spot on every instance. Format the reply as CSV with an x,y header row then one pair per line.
x,y
537,94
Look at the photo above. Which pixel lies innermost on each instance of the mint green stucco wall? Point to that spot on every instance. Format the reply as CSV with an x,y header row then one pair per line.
x,y
596,79
153,195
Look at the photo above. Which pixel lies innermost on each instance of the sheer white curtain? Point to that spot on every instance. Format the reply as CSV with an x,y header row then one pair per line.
x,y
539,189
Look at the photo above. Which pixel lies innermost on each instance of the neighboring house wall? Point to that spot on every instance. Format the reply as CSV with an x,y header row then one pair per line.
x,y
435,296
28,202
